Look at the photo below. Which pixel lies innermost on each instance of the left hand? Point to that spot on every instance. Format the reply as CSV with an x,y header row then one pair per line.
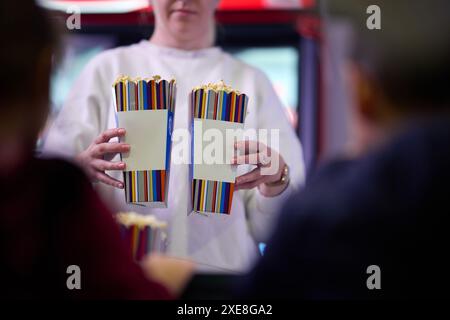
x,y
269,168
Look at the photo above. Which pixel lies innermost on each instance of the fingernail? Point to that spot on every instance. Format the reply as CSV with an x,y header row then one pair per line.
x,y
121,131
122,165
120,186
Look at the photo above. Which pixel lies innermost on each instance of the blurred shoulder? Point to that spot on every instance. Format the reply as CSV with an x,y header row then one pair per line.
x,y
338,193
393,181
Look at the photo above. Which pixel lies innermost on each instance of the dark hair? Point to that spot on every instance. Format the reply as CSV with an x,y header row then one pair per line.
x,y
409,57
25,33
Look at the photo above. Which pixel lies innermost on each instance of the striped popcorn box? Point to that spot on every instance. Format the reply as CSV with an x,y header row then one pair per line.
x,y
145,109
143,234
216,109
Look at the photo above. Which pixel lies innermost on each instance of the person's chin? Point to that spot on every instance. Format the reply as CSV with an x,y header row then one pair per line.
x,y
183,16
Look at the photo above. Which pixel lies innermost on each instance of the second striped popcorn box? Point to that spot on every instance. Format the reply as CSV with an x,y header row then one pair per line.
x,y
217,122
145,109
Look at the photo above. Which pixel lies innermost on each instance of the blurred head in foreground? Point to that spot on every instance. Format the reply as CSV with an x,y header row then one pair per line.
x,y
51,220
376,227
400,72
28,42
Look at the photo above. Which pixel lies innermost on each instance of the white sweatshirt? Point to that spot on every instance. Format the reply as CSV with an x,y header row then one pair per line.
x,y
226,243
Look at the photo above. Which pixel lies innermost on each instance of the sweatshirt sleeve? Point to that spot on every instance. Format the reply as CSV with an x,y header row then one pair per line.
x,y
261,210
84,114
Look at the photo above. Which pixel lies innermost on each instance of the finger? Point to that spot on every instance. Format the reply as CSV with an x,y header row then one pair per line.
x,y
250,185
250,146
253,175
107,135
103,177
253,158
110,147
103,165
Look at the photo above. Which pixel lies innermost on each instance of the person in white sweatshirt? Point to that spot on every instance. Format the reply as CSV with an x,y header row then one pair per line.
x,y
182,47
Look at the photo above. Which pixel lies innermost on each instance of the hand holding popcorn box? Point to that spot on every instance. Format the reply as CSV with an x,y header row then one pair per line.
x,y
217,113
145,109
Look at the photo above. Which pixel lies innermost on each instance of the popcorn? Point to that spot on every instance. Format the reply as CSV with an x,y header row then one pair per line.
x,y
141,221
217,87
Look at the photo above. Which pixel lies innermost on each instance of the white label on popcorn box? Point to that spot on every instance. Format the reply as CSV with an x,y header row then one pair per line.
x,y
146,133
213,149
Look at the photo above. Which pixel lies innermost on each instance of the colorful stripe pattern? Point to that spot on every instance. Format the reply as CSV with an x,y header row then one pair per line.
x,y
218,105
147,94
145,186
212,196
143,240
222,105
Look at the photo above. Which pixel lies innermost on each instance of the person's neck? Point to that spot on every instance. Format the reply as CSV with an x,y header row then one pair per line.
x,y
164,39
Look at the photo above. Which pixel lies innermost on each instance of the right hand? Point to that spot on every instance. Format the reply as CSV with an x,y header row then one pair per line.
x,y
93,158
